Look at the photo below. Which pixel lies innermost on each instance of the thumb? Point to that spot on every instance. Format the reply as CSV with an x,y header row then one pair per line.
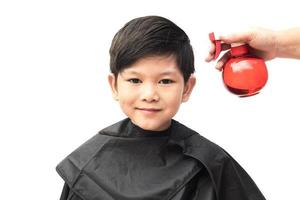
x,y
245,37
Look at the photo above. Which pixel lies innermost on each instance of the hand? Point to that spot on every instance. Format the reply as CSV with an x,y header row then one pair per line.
x,y
262,42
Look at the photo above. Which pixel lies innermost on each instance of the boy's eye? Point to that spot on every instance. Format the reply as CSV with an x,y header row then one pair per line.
x,y
134,80
166,81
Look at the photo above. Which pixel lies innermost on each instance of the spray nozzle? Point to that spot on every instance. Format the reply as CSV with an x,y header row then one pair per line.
x,y
237,49
217,44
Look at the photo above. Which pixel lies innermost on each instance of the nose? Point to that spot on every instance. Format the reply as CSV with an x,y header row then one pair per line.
x,y
149,93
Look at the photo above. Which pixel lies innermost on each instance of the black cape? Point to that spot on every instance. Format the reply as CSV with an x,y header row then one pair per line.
x,y
124,162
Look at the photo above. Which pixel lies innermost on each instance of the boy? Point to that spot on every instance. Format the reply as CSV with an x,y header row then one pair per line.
x,y
149,155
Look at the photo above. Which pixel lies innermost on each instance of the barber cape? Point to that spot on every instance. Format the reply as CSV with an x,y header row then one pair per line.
x,y
126,162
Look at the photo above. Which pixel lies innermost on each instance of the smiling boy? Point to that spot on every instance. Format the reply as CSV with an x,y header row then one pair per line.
x,y
151,90
149,155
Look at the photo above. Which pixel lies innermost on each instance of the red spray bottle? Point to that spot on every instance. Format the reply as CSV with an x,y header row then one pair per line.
x,y
243,74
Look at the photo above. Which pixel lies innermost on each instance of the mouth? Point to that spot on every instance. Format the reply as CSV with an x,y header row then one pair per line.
x,y
149,110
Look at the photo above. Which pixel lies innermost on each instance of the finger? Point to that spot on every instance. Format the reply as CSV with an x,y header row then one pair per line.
x,y
224,47
210,57
211,53
212,49
222,61
237,37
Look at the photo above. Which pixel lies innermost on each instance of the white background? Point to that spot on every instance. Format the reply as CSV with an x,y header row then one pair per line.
x,y
54,93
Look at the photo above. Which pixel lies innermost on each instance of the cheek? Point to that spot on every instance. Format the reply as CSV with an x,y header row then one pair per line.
x,y
173,98
126,96
126,104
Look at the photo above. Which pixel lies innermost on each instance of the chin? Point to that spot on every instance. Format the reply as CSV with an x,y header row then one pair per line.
x,y
152,126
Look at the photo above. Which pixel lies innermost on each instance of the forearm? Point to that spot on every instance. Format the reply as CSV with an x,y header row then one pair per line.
x,y
288,43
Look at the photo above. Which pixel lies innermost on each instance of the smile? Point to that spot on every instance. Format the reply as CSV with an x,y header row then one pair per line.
x,y
149,110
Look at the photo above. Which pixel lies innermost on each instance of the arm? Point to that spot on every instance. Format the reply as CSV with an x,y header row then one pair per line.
x,y
288,43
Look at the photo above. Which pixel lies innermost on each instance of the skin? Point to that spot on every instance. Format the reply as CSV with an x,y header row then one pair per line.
x,y
151,90
264,43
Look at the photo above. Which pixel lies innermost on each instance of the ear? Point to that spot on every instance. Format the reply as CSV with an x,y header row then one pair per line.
x,y
112,80
188,88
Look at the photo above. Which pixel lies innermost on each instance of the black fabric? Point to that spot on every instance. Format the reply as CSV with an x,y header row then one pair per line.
x,y
125,162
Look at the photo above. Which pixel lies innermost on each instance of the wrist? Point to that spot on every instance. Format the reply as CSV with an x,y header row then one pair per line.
x,y
288,43
278,43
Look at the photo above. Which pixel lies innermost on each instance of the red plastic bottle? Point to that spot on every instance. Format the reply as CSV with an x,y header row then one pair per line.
x,y
243,74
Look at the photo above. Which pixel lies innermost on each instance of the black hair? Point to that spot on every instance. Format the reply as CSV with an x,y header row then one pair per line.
x,y
151,36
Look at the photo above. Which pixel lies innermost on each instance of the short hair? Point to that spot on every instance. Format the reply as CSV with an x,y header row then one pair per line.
x,y
151,36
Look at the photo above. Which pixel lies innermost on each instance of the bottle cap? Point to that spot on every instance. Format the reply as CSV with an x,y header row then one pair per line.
x,y
238,49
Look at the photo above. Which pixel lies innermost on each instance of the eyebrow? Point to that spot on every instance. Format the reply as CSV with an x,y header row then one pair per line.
x,y
137,73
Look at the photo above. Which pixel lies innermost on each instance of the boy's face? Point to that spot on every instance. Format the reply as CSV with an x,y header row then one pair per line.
x,y
151,90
